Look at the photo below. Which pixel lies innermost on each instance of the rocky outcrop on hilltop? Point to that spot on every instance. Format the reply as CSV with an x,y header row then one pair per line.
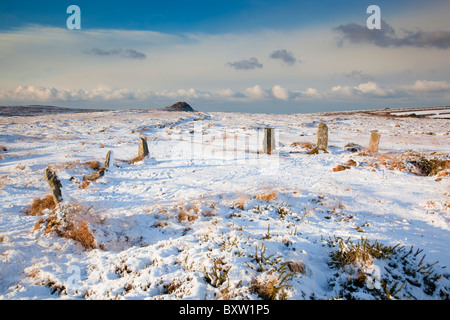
x,y
179,106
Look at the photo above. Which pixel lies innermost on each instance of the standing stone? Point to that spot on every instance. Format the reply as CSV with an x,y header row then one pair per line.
x,y
143,148
107,159
374,141
322,137
269,140
54,184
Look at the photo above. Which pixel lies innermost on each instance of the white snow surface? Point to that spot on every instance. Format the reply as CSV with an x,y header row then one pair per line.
x,y
209,165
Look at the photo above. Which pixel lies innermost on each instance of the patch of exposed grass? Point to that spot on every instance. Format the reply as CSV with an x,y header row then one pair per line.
x,y
94,165
71,222
267,196
405,274
218,274
39,205
272,282
136,159
416,163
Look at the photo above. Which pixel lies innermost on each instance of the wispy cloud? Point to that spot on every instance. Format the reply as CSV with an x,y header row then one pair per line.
x,y
359,75
387,37
284,55
123,53
246,64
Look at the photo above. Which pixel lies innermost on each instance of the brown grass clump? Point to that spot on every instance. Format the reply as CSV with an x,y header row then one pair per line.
x,y
79,231
240,203
270,195
37,225
84,184
40,205
315,150
419,164
340,168
95,165
268,287
303,145
183,216
297,267
362,252
429,167
136,159
161,224
352,147
74,225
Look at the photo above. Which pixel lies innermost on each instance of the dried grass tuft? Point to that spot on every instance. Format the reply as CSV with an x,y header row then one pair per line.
x,y
39,205
268,287
79,231
267,196
74,224
136,159
340,168
95,165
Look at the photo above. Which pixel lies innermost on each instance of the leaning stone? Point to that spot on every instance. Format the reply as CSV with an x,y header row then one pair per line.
x,y
143,148
94,175
108,159
54,184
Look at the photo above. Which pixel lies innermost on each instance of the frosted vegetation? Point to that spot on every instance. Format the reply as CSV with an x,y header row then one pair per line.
x,y
207,215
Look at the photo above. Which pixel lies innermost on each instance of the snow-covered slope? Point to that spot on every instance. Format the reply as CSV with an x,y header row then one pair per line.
x,y
207,215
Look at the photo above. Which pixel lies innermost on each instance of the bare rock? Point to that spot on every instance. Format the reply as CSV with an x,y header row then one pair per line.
x,y
179,106
374,141
95,175
143,148
322,136
54,184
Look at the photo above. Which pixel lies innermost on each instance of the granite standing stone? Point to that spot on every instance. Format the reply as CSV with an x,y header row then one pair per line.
x,y
269,140
374,141
322,136
107,159
54,184
143,148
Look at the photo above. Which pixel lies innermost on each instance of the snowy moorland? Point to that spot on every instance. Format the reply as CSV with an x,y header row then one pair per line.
x,y
207,215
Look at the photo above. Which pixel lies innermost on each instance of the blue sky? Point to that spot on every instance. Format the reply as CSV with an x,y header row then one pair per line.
x,y
249,56
192,16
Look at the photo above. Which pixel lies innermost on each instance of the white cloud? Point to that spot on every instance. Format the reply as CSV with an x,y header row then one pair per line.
x,y
280,93
39,94
426,86
312,93
368,89
343,90
372,88
256,92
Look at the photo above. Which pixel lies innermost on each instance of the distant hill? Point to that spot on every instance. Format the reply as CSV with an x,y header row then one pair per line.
x,y
179,106
36,110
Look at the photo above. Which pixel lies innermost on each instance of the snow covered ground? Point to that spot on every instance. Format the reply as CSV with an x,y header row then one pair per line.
x,y
208,216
